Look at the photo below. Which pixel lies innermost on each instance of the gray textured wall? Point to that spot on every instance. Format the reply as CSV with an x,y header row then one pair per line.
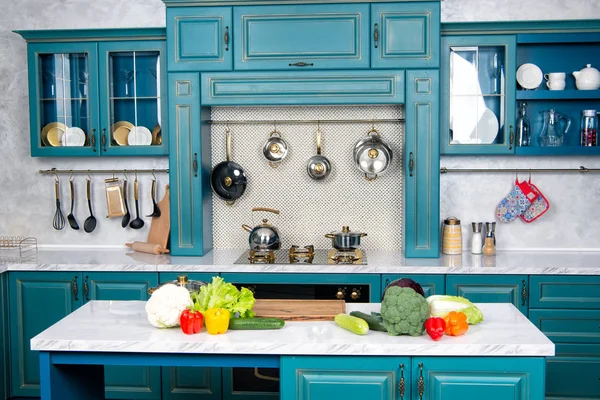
x,y
26,199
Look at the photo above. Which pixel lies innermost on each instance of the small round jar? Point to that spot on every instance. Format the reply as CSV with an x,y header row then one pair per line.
x,y
452,236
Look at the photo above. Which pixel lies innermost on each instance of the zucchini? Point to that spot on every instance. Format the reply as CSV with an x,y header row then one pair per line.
x,y
374,323
255,323
353,324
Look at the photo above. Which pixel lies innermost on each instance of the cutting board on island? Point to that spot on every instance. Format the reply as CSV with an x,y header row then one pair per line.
x,y
299,310
160,226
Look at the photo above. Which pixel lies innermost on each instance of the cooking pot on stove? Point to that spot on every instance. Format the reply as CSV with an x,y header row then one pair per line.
x,y
183,281
346,239
265,236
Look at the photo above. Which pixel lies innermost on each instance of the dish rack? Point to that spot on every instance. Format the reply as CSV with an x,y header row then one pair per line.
x,y
16,248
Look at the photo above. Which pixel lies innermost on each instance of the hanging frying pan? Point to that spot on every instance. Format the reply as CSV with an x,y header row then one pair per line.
x,y
227,178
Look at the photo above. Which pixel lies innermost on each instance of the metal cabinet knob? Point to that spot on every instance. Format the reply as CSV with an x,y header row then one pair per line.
x,y
341,294
355,295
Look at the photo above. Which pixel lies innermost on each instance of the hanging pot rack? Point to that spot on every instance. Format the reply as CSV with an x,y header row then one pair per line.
x,y
581,169
55,171
305,121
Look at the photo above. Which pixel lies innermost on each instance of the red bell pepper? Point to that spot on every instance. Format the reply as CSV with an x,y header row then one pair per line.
x,y
191,321
435,327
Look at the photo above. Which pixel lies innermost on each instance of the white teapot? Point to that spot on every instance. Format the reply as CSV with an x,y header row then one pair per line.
x,y
588,78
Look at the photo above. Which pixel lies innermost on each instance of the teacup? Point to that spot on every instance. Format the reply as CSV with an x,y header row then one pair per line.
x,y
555,80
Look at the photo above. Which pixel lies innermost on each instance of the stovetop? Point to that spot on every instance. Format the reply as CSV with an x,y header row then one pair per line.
x,y
305,255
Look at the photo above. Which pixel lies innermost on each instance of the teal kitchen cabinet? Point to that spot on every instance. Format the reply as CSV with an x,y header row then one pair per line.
x,y
405,35
190,383
573,373
564,292
431,284
59,293
189,167
96,92
422,164
372,378
490,289
478,94
125,382
4,353
291,37
490,378
200,39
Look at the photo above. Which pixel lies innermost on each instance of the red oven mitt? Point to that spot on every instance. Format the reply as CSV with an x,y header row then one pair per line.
x,y
537,208
516,202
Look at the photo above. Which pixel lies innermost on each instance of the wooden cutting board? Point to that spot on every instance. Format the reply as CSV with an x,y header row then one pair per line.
x,y
160,226
299,310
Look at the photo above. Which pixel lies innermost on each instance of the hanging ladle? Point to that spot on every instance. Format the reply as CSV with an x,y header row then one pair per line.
x,y
137,223
155,209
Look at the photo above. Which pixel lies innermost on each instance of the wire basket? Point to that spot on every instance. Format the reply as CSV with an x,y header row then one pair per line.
x,y
16,248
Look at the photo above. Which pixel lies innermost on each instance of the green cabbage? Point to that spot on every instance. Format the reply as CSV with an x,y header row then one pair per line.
x,y
220,294
441,305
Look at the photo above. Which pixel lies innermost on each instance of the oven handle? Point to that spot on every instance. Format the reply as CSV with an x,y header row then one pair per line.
x,y
265,377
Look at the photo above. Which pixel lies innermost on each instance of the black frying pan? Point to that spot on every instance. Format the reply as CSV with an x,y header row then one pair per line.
x,y
227,178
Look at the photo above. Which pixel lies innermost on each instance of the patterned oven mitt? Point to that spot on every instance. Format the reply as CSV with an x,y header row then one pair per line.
x,y
537,208
516,202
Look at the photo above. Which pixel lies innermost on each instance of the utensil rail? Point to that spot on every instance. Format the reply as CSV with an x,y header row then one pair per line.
x,y
304,121
581,169
54,171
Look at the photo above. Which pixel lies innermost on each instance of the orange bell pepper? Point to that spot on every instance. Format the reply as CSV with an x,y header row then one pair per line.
x,y
216,320
456,323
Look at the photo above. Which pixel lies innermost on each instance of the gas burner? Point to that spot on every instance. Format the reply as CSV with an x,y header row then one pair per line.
x,y
345,256
304,255
261,256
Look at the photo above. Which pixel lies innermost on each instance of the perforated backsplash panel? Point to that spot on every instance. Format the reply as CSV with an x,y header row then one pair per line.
x,y
309,208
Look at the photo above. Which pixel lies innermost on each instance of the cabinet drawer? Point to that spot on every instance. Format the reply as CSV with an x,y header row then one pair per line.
x,y
565,292
568,326
572,377
301,37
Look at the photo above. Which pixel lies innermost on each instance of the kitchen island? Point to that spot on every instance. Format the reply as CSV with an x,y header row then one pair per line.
x,y
501,358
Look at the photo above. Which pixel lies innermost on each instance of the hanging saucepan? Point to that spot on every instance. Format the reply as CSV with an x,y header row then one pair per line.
x,y
318,166
345,240
227,179
372,155
265,236
275,149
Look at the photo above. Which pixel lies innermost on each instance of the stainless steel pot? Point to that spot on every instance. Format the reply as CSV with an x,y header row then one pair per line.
x,y
263,237
345,240
319,166
183,281
275,149
372,155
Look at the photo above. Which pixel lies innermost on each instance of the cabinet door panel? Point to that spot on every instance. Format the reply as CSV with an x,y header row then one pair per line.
x,y
316,36
200,38
408,35
490,289
373,378
568,326
4,353
573,373
189,168
450,378
565,292
431,284
422,164
28,292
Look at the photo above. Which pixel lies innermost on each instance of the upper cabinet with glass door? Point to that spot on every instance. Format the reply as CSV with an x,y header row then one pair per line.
x,y
97,92
478,93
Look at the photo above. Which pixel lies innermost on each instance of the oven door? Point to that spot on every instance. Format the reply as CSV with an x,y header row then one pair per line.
x,y
263,383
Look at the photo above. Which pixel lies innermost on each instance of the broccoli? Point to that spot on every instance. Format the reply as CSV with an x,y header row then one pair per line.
x,y
404,311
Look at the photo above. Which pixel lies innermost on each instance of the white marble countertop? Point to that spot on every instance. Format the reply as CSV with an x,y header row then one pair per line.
x,y
121,326
379,262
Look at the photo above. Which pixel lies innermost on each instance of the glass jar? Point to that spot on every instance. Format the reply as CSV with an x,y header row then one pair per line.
x,y
523,126
452,236
589,126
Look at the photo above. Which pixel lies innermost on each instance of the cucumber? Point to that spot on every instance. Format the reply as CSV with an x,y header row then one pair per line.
x,y
255,323
374,323
353,324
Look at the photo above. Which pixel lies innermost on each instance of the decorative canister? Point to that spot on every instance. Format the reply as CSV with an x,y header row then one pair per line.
x,y
452,236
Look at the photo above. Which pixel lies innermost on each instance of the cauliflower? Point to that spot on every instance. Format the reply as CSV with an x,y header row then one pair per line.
x,y
166,305
404,311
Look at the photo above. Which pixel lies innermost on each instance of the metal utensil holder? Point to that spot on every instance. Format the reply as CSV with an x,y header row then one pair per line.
x,y
10,245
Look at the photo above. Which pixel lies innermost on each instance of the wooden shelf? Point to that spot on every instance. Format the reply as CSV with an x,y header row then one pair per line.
x,y
558,95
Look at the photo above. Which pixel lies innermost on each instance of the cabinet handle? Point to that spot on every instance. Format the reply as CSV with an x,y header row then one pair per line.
x,y
195,165
402,384
511,138
421,382
376,35
411,164
226,38
524,293
86,289
301,64
75,288
387,282
103,139
93,140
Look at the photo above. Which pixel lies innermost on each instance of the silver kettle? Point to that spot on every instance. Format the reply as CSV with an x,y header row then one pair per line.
x,y
265,236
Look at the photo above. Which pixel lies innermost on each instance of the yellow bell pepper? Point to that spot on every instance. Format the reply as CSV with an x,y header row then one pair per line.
x,y
216,320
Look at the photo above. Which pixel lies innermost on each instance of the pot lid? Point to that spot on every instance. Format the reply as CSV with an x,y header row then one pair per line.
x,y
183,281
347,232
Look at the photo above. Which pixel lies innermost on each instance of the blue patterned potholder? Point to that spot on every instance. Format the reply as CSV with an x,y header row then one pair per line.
x,y
516,202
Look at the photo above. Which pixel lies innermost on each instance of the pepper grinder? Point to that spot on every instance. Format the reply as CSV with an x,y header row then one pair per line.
x,y
476,240
491,227
489,249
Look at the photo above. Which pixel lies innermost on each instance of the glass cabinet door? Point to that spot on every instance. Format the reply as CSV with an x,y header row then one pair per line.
x,y
133,98
478,95
63,105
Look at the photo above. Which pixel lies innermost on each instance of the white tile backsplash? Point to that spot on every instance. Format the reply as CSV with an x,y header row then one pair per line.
x,y
27,203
